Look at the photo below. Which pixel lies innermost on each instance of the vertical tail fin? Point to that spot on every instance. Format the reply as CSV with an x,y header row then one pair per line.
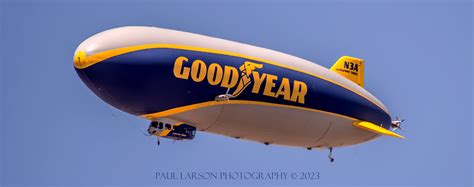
x,y
351,68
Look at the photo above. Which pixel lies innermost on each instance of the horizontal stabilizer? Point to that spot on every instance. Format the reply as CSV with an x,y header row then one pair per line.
x,y
375,128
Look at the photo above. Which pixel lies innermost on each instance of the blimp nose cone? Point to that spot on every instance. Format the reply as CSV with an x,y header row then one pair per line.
x,y
120,40
79,59
114,82
119,67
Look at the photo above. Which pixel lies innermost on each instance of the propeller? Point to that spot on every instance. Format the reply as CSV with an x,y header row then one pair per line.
x,y
396,124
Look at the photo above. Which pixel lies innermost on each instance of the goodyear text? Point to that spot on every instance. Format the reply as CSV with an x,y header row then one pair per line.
x,y
230,77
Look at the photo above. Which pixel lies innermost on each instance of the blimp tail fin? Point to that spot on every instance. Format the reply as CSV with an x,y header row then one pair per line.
x,y
351,68
375,128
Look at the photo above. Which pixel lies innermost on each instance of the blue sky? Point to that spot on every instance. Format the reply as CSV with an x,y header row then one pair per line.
x,y
54,131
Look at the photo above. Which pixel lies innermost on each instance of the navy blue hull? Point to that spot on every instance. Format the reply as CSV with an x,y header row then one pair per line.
x,y
142,82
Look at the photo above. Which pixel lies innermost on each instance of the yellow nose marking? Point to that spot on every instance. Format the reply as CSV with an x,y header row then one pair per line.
x,y
79,59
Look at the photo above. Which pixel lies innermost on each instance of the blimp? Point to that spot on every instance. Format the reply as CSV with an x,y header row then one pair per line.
x,y
184,83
